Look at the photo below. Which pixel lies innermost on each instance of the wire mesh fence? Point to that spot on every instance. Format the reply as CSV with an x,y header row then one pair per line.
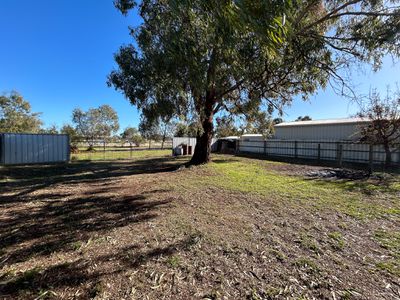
x,y
119,150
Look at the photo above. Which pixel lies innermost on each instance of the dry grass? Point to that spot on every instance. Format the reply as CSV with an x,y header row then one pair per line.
x,y
237,228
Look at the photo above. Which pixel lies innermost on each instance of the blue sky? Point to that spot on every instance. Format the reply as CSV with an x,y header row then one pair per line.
x,y
57,54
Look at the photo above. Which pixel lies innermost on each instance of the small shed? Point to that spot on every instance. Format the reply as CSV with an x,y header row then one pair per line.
x,y
21,148
226,145
332,130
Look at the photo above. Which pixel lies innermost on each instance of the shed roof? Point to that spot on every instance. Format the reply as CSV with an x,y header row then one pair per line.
x,y
324,122
252,135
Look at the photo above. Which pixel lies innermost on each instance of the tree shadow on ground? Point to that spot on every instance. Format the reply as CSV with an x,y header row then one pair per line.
x,y
26,179
76,273
35,225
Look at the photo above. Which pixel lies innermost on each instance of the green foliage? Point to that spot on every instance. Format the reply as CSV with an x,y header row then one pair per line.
x,y
96,123
258,122
49,130
384,128
305,118
132,135
200,57
186,130
16,115
70,130
226,127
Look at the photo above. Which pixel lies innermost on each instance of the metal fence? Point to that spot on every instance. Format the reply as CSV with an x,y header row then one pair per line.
x,y
340,151
119,150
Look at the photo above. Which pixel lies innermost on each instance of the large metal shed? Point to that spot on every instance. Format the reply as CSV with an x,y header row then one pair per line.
x,y
332,130
21,148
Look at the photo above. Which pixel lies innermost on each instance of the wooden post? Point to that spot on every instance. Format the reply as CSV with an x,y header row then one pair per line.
x,y
295,149
265,147
371,158
340,155
104,149
319,152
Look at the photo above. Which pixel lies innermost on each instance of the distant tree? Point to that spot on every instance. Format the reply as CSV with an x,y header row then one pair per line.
x,y
186,130
52,129
384,128
156,129
226,127
258,123
70,130
132,136
301,118
209,56
277,121
96,123
16,115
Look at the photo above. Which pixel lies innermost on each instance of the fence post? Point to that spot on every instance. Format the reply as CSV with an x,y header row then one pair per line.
x,y
104,149
371,158
265,147
237,146
295,149
340,155
319,152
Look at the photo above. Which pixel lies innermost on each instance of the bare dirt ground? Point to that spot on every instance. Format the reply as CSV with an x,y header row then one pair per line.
x,y
148,229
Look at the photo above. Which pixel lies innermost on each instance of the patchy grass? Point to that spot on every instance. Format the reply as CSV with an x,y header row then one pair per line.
x,y
237,228
337,240
391,242
250,176
119,155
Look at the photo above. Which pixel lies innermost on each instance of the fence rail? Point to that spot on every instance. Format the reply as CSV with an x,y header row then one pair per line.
x,y
340,151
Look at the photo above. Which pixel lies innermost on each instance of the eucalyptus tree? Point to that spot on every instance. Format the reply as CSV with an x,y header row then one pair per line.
x,y
16,115
132,136
204,56
96,123
384,128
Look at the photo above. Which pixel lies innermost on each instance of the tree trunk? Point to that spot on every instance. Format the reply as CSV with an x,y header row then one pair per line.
x,y
202,150
388,160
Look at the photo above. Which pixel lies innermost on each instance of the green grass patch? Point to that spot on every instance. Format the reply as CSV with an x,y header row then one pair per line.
x,y
255,176
391,242
336,240
174,261
119,155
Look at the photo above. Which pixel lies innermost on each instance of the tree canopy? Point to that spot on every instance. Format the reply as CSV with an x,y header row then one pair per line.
x,y
384,114
301,118
240,56
96,123
16,115
132,136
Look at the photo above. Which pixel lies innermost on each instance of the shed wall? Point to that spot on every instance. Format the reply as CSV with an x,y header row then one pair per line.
x,y
332,132
33,148
190,141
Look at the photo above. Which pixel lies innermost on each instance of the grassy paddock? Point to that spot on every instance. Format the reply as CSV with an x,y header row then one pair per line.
x,y
236,228
119,155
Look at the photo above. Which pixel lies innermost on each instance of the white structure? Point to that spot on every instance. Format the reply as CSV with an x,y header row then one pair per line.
x,y
251,143
189,141
330,130
17,148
